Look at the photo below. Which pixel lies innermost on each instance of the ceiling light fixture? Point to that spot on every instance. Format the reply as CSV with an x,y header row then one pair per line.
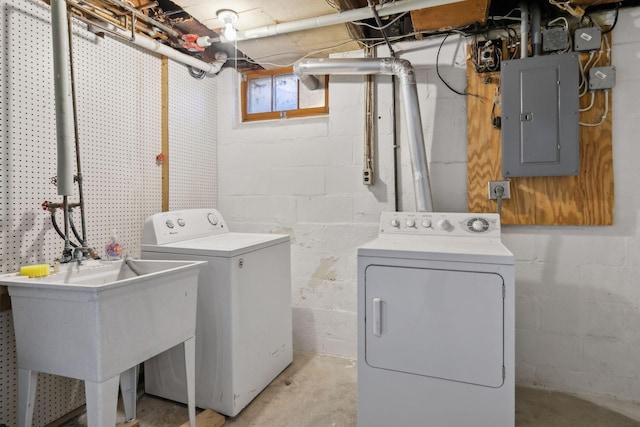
x,y
228,16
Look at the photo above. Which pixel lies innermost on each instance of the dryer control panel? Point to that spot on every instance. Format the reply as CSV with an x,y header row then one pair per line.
x,y
440,224
175,226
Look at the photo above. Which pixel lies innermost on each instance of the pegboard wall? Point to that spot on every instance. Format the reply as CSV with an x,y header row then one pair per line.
x,y
119,119
193,177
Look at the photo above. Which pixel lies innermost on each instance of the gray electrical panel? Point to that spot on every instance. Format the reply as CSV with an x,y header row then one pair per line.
x,y
540,116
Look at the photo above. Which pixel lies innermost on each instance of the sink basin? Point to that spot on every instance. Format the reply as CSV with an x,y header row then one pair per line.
x,y
95,320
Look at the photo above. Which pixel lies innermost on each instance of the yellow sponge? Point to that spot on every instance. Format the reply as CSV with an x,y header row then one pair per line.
x,y
36,270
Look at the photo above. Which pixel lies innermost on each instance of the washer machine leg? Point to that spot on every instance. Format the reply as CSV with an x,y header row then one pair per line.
x,y
27,382
128,386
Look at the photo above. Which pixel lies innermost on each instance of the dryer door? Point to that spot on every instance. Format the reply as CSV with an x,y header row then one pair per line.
x,y
437,323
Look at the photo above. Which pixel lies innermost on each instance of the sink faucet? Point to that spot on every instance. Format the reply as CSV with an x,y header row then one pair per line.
x,y
78,255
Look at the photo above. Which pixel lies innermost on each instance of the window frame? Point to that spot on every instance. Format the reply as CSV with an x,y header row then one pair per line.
x,y
285,114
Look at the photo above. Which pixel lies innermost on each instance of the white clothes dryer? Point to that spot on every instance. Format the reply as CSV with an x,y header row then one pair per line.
x,y
436,323
243,326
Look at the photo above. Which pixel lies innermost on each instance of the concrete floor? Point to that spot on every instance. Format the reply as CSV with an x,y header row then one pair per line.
x,y
320,391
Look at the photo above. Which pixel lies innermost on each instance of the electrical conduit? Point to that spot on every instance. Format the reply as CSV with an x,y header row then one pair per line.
x,y
402,69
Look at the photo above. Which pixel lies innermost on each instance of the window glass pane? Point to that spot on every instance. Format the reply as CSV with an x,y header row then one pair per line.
x,y
312,98
285,92
259,95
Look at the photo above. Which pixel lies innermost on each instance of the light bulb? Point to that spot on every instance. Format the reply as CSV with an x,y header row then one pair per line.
x,y
229,32
228,17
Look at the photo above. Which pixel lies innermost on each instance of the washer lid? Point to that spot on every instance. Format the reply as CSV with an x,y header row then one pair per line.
x,y
221,245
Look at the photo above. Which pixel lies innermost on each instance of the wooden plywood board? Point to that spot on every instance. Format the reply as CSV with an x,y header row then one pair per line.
x,y
207,418
450,15
586,199
165,132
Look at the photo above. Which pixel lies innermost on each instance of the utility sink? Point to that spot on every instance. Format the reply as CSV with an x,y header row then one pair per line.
x,y
96,320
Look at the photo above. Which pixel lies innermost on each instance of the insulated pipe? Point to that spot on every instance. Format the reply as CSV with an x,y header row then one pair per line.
x,y
402,69
339,18
524,29
536,34
64,107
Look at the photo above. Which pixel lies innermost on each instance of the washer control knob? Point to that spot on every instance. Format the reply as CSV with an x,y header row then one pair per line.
x,y
426,223
180,222
410,222
477,225
444,224
395,222
212,219
169,224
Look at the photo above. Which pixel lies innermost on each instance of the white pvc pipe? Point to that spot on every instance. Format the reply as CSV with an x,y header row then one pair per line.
x,y
64,106
524,29
162,49
386,9
407,82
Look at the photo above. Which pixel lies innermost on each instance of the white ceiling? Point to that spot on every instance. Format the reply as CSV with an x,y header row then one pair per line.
x,y
281,50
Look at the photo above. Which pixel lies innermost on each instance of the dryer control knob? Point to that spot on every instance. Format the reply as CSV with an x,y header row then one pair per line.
x,y
426,223
410,222
477,225
181,222
169,223
395,222
212,219
444,224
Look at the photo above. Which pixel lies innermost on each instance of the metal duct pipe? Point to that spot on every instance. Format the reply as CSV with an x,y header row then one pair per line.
x,y
339,18
524,29
402,69
62,88
536,34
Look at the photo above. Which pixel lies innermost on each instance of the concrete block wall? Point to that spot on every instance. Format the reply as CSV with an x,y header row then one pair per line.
x,y
577,288
303,177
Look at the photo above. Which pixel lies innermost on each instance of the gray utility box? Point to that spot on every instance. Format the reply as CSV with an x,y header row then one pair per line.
x,y
540,116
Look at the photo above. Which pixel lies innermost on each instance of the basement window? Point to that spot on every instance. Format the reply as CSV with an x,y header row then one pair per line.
x,y
277,94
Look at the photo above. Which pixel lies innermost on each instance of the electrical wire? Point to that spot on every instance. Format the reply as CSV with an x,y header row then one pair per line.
x,y
593,98
384,27
508,15
615,21
604,114
438,69
195,73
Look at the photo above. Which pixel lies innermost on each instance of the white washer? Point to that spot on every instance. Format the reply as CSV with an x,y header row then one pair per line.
x,y
436,323
243,326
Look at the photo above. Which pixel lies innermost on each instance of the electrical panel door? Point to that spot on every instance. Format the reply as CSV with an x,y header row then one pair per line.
x,y
540,116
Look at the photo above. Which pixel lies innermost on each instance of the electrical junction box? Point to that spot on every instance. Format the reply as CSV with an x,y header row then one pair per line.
x,y
602,78
540,116
555,39
488,54
588,38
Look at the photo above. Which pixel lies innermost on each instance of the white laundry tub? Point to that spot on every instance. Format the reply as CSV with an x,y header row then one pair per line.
x,y
99,319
